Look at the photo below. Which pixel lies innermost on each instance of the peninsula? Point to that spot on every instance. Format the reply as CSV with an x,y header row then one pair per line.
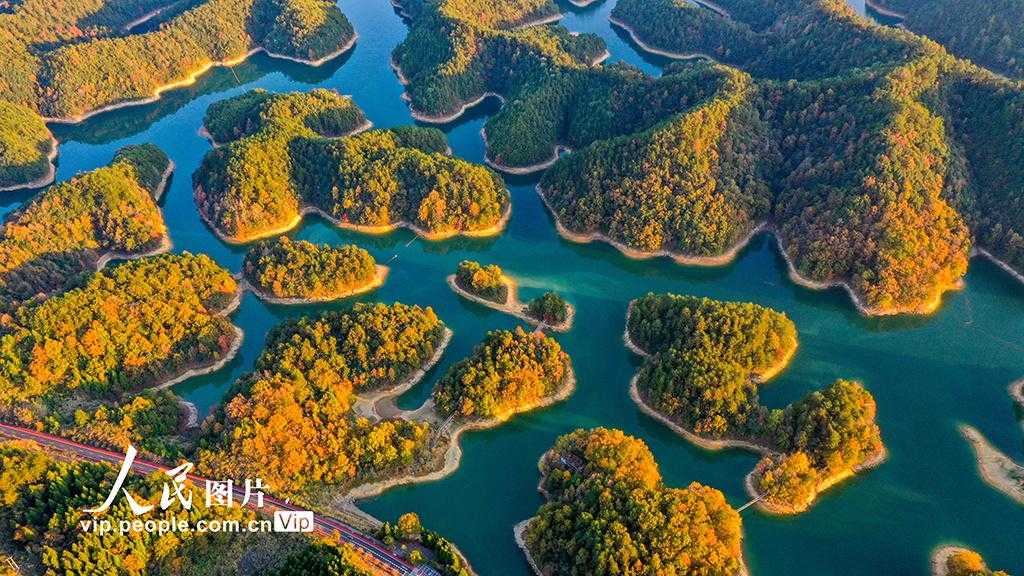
x,y
75,227
68,62
281,156
705,360
957,561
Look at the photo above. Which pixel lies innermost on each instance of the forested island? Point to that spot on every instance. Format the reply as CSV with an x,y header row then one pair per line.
x,y
956,561
284,271
489,286
511,371
69,230
705,359
607,508
878,160
65,62
76,361
281,156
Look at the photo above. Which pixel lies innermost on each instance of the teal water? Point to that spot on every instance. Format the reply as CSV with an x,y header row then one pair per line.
x,y
927,374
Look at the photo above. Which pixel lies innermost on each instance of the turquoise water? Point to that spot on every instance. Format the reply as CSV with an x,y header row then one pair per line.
x,y
926,374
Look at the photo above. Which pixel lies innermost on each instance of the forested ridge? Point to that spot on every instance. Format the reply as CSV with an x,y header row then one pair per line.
x,y
507,372
126,328
282,153
984,31
706,361
291,421
608,510
877,158
66,60
53,241
283,268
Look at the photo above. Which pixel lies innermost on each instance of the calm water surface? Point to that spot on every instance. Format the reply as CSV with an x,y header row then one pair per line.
x,y
926,374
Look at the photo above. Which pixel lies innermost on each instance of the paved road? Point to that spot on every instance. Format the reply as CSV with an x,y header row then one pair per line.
x,y
325,525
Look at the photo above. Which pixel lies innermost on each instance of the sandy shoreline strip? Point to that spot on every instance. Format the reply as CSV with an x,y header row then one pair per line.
x,y
498,228
884,11
378,280
1006,267
45,179
521,170
941,556
657,51
729,256
191,78
995,468
1017,392
513,306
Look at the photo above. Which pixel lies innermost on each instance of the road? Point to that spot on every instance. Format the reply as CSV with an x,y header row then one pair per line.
x,y
375,551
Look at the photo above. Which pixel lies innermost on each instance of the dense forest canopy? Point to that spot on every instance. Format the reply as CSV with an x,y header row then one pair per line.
x,y
291,421
283,268
57,237
484,281
128,327
549,308
984,31
65,60
510,371
870,151
706,361
608,512
287,152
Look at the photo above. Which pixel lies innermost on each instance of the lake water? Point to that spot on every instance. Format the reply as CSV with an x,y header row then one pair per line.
x,y
927,374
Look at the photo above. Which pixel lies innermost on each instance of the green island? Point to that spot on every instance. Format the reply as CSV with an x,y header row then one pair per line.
x,y
66,62
608,508
280,156
74,228
880,169
509,372
957,561
284,271
983,32
74,363
705,359
38,484
489,286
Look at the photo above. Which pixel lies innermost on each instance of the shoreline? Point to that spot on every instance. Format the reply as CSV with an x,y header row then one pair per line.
x,y
236,346
538,22
161,188
635,36
453,453
519,530
1016,391
884,11
513,306
307,210
940,558
724,259
994,467
191,412
1006,267
163,247
190,79
370,403
379,278
730,256
45,179
521,170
